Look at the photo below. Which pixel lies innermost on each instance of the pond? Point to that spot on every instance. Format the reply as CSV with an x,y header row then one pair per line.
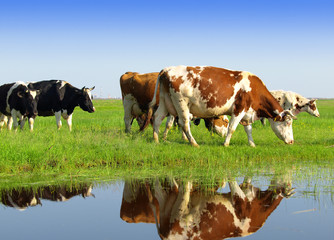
x,y
262,207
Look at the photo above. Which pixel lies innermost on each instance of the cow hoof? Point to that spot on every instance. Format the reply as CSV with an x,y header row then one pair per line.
x,y
252,144
226,144
195,145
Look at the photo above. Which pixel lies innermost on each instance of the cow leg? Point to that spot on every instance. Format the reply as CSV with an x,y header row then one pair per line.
x,y
185,124
68,119
128,119
236,192
31,124
22,122
3,120
58,119
248,130
169,125
15,116
128,103
232,125
10,123
159,115
184,115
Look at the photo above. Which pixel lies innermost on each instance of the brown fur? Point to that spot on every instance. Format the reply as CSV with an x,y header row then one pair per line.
x,y
141,86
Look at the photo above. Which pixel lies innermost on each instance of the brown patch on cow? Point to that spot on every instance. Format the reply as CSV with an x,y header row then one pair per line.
x,y
220,221
261,208
297,99
220,121
312,105
177,228
297,106
217,85
243,102
262,101
141,86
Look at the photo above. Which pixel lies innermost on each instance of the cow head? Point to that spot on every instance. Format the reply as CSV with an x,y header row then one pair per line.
x,y
311,108
282,126
85,99
29,99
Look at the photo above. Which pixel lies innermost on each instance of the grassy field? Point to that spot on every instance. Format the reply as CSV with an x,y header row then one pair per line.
x,y
98,148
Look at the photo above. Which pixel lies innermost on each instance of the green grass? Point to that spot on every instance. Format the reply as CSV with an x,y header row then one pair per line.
x,y
98,146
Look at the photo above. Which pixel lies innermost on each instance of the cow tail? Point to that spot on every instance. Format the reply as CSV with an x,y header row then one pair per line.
x,y
151,105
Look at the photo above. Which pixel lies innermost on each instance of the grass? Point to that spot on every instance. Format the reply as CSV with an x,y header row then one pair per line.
x,y
98,146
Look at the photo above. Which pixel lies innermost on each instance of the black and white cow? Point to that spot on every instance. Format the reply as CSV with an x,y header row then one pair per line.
x,y
59,98
17,101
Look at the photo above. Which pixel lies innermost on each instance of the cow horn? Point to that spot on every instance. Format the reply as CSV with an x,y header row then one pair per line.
x,y
288,112
91,89
20,94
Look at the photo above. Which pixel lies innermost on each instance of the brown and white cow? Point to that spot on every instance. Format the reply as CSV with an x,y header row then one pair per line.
x,y
137,92
295,102
208,92
184,211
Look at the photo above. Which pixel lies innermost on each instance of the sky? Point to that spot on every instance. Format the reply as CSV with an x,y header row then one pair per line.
x,y
289,44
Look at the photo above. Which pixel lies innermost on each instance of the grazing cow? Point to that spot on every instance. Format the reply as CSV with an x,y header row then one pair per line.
x,y
27,197
137,92
183,211
217,125
208,92
59,98
295,102
17,101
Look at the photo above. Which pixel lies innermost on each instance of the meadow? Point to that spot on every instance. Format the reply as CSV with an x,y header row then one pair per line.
x,y
98,148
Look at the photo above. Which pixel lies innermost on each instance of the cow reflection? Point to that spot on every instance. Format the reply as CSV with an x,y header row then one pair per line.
x,y
27,197
182,211
20,199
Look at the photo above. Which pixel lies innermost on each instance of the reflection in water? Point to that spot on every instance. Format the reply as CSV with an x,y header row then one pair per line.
x,y
28,197
182,210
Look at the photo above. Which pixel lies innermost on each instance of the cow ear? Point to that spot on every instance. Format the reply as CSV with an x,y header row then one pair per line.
x,y
312,101
20,94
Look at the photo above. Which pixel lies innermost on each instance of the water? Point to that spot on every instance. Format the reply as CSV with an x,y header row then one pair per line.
x,y
281,208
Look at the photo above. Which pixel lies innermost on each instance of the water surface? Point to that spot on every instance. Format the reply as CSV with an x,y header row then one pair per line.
x,y
281,208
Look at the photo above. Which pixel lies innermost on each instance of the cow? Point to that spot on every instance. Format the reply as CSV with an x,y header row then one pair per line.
x,y
20,199
63,193
136,206
295,102
17,101
28,197
184,210
59,98
208,92
137,92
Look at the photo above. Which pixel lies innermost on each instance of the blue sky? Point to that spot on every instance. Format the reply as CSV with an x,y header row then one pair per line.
x,y
288,44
